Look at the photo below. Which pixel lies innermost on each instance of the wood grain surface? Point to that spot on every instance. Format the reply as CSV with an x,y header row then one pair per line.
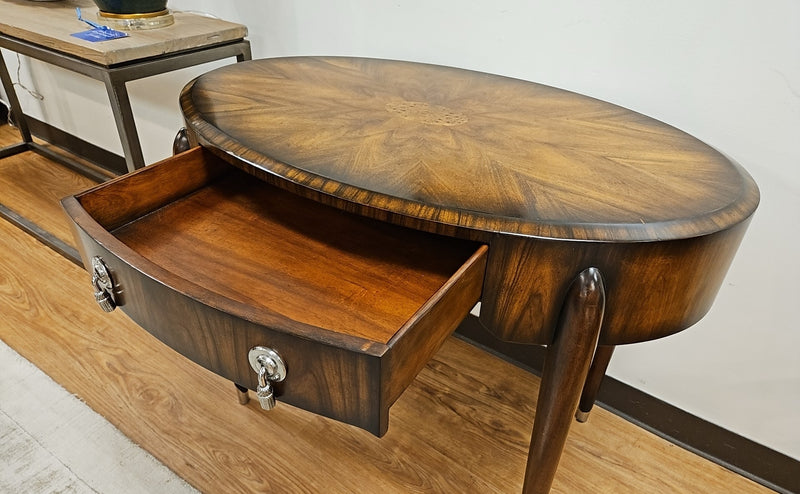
x,y
563,375
213,262
274,251
462,426
554,182
32,185
655,288
50,441
468,149
51,24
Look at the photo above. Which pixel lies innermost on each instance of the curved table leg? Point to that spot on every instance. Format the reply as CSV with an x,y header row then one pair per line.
x,y
602,357
181,142
566,366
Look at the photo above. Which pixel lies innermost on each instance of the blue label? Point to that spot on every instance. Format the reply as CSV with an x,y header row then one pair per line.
x,y
95,35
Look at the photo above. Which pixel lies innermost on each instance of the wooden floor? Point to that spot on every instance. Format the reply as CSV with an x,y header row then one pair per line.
x,y
51,442
463,426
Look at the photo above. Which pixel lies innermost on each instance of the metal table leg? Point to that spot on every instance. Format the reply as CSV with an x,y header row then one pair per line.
x,y
16,108
123,116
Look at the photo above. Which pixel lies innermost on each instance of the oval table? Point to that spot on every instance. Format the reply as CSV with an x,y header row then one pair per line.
x,y
603,226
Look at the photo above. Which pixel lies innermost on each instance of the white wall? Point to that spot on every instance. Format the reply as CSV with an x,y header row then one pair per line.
x,y
725,71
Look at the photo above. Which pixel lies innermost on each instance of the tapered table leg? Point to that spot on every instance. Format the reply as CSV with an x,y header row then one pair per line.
x,y
181,142
602,357
241,393
565,370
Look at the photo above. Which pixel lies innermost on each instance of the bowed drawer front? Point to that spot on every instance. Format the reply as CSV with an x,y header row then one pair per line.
x,y
214,262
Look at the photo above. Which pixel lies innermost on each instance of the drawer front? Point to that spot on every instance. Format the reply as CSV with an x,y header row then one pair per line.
x,y
329,380
345,377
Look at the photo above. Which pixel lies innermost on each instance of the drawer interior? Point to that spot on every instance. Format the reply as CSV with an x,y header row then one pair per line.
x,y
272,250
214,261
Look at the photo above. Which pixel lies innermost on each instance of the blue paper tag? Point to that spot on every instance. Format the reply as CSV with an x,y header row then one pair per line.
x,y
95,35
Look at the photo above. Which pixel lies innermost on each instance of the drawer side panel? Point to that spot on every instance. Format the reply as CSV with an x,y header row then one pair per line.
x,y
418,341
126,198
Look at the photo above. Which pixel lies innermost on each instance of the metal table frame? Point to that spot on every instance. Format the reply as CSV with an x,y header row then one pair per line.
x,y
114,77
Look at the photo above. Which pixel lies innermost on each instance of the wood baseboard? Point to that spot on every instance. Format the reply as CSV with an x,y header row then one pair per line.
x,y
759,463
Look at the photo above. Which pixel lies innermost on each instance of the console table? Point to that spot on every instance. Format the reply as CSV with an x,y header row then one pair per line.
x,y
341,216
42,30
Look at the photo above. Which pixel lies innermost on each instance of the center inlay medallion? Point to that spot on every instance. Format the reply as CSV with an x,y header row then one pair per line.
x,y
418,111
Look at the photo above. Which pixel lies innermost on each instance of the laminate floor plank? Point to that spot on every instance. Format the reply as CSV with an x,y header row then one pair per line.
x,y
31,185
52,442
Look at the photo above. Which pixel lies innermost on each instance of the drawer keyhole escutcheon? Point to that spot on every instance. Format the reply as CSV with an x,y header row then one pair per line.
x,y
103,285
270,368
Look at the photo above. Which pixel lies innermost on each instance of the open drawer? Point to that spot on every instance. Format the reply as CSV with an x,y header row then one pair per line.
x,y
214,262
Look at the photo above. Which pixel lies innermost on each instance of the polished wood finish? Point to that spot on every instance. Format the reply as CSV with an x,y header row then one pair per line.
x,y
553,182
461,426
659,288
214,262
526,168
565,370
32,186
181,142
482,152
51,24
600,361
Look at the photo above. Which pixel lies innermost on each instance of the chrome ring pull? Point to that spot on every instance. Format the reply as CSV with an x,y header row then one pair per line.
x,y
270,368
103,285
